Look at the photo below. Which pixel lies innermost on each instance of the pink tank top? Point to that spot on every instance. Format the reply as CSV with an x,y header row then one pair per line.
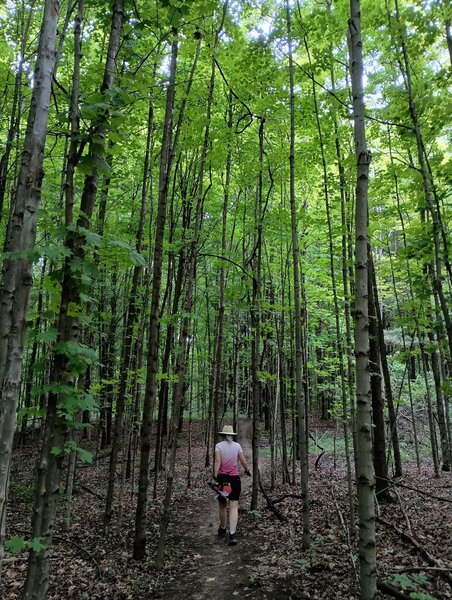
x,y
229,453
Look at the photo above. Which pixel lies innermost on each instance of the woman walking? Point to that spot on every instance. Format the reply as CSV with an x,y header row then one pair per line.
x,y
228,454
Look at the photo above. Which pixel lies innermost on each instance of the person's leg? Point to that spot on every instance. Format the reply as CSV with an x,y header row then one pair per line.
x,y
223,514
233,515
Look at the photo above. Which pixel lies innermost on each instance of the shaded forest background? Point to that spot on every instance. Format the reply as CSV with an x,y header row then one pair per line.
x,y
178,202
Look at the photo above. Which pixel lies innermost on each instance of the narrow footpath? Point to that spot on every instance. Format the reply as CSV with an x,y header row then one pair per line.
x,y
217,570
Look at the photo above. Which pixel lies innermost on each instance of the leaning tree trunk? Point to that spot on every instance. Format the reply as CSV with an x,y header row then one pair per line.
x,y
340,350
437,224
364,465
14,122
17,273
139,548
61,379
396,296
132,317
378,419
167,154
182,355
300,406
217,363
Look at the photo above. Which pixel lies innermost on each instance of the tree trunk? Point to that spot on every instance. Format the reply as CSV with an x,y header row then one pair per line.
x,y
132,317
300,406
364,465
14,122
139,548
62,379
378,420
217,363
33,357
340,351
182,355
402,223
431,420
440,409
17,272
256,322
449,39
387,379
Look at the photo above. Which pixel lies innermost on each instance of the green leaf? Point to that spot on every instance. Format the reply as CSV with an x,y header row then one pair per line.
x,y
16,544
49,335
85,455
91,237
137,259
36,544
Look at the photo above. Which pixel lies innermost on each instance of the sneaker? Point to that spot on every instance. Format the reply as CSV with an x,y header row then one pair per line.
x,y
221,531
232,539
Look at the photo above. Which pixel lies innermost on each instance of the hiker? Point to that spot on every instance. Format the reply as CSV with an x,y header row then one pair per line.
x,y
227,455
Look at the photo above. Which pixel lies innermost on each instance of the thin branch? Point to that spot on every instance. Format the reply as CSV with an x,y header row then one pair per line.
x,y
227,260
270,504
409,487
249,112
346,105
420,548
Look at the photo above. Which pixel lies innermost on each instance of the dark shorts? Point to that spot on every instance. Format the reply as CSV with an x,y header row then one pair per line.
x,y
234,482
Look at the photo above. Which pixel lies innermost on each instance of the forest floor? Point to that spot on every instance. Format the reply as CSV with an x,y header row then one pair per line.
x,y
413,536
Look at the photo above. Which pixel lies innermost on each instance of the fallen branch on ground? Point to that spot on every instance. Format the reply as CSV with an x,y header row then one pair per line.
x,y
409,487
278,500
68,541
84,487
82,549
316,465
414,569
274,510
387,588
431,559
346,534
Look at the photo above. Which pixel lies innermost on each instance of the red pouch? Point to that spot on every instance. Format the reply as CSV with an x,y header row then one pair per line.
x,y
226,489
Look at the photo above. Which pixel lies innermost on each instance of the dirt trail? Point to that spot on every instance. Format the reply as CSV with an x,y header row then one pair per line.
x,y
218,570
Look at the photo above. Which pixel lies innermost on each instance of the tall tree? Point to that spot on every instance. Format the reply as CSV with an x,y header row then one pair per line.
x,y
68,360
17,266
364,466
139,547
301,406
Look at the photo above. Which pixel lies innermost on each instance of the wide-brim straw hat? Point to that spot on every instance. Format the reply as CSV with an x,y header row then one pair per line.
x,y
227,430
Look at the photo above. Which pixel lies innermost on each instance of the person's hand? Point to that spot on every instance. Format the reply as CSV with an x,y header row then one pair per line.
x,y
248,473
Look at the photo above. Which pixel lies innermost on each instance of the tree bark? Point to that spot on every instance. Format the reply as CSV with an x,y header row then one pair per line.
x,y
378,421
364,465
132,317
301,406
139,548
387,380
16,273
62,379
182,355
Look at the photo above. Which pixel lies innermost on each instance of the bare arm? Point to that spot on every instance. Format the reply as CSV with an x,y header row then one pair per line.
x,y
217,463
243,461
